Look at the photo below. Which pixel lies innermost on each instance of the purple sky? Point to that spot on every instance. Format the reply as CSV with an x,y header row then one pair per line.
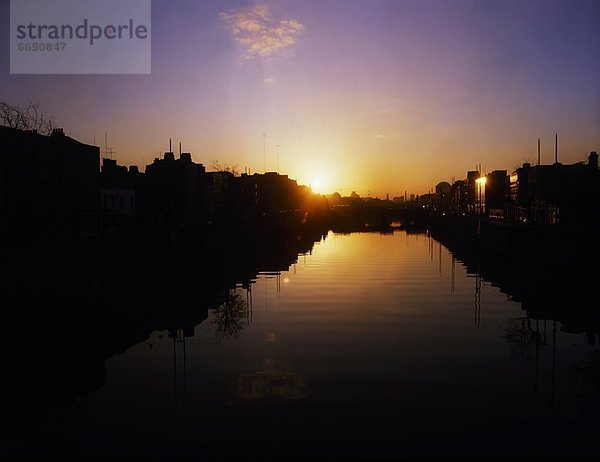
x,y
363,95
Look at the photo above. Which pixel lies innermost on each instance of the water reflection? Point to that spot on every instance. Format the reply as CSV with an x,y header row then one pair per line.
x,y
366,345
272,381
234,314
554,296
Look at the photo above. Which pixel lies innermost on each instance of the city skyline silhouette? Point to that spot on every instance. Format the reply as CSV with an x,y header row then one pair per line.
x,y
368,97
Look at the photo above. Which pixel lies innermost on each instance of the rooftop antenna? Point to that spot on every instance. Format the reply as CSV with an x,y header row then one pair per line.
x,y
180,149
278,146
556,148
170,150
265,152
108,151
539,156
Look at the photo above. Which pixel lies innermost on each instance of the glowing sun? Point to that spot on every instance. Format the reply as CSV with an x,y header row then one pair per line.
x,y
321,183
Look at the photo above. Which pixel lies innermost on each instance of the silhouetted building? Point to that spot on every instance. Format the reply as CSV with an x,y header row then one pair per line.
x,y
466,197
519,202
118,196
579,194
458,199
544,186
442,196
496,193
335,199
471,193
556,194
425,200
275,193
273,197
443,187
217,189
174,192
48,184
218,195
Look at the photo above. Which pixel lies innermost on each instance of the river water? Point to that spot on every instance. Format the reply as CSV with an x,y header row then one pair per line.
x,y
371,346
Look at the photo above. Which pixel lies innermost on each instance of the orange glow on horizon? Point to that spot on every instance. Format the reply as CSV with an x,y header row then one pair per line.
x,y
320,183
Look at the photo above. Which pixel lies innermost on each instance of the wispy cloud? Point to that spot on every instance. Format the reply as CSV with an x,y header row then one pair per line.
x,y
262,35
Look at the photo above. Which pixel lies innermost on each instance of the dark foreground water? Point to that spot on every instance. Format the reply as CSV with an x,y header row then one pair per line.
x,y
370,347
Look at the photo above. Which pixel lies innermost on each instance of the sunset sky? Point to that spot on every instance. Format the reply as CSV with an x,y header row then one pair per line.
x,y
366,95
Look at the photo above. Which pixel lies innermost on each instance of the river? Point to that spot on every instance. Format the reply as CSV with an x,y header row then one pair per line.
x,y
370,346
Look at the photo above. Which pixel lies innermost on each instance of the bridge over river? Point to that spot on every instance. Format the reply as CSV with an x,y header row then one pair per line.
x,y
355,217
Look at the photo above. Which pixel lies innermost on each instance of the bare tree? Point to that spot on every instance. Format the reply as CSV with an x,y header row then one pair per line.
x,y
523,337
230,317
219,167
28,118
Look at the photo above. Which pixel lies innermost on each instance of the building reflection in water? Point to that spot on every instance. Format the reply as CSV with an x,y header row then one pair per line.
x,y
113,298
222,296
555,297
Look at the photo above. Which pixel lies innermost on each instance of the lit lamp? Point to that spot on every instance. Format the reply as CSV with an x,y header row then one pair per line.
x,y
481,184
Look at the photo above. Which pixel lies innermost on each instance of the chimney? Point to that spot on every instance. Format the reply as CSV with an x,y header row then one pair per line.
x,y
593,159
